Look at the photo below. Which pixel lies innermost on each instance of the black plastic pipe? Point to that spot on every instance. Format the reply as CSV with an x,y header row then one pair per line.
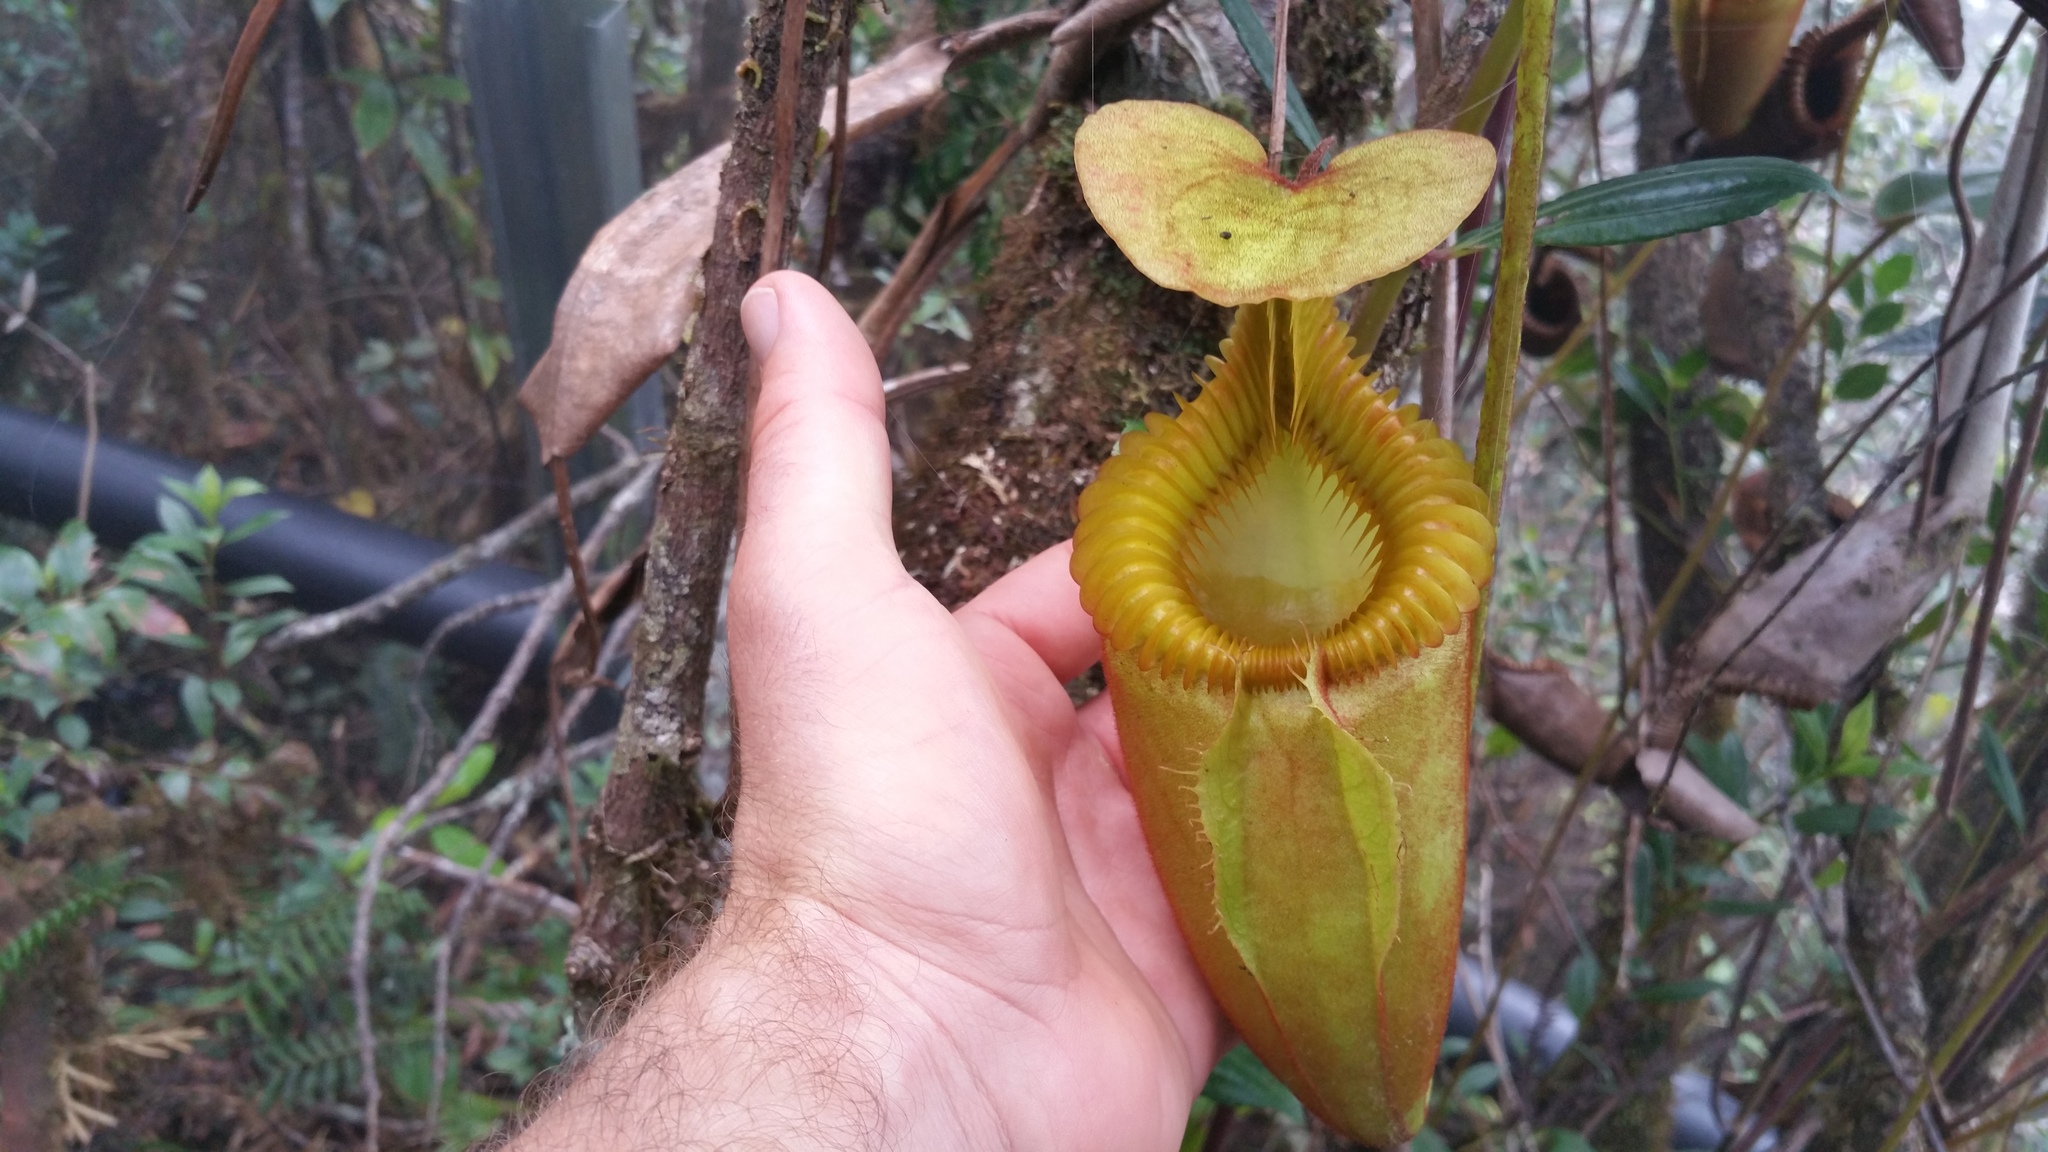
x,y
331,558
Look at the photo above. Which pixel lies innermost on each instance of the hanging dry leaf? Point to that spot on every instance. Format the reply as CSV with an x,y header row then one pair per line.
x,y
1816,639
635,294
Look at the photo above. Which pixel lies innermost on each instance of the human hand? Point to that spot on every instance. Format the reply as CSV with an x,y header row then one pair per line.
x,y
944,930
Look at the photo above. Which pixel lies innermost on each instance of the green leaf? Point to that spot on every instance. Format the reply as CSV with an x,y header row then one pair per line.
x,y
21,580
225,693
440,86
69,564
1664,202
244,634
1500,742
1856,728
1893,274
142,910
486,353
1258,45
256,586
253,525
1241,1081
1562,1140
1582,983
1810,743
165,954
174,513
1832,875
74,731
1881,318
426,151
207,494
1862,381
1998,771
1427,1140
1476,1079
1730,409
1841,819
459,844
1724,762
376,109
1927,194
1677,991
475,767
198,706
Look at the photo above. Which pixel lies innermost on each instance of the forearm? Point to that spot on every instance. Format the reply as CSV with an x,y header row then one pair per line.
x,y
775,1036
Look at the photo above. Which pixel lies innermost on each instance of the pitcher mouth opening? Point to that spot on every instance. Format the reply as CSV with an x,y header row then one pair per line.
x,y
1290,509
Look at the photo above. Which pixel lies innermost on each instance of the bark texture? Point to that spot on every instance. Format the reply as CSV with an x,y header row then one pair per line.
x,y
103,157
654,842
1749,316
1674,457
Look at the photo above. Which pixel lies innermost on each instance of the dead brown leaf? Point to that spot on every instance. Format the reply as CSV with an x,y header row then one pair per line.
x,y
1816,638
634,296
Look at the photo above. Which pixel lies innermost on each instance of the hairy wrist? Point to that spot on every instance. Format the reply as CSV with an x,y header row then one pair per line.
x,y
782,1033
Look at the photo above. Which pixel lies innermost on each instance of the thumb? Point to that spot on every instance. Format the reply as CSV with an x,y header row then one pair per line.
x,y
818,473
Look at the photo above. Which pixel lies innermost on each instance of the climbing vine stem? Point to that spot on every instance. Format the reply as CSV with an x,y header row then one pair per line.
x,y
1518,232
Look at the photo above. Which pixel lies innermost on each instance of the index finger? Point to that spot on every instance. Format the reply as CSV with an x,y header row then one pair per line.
x,y
1040,604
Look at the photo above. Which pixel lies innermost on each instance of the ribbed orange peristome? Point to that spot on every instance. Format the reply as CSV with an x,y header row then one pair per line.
x,y
1436,544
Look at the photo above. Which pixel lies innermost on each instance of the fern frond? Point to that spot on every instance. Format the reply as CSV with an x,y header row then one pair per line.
x,y
98,891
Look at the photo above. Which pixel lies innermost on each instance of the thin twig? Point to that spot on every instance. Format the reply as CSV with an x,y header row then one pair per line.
x,y
88,372
1987,609
922,381
789,54
400,826
565,521
1871,1016
950,222
1631,931
1603,346
1965,219
444,953
479,551
830,244
1518,231
2023,959
28,126
240,65
1276,120
521,801
1739,998
92,441
524,891
1621,718
1827,548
